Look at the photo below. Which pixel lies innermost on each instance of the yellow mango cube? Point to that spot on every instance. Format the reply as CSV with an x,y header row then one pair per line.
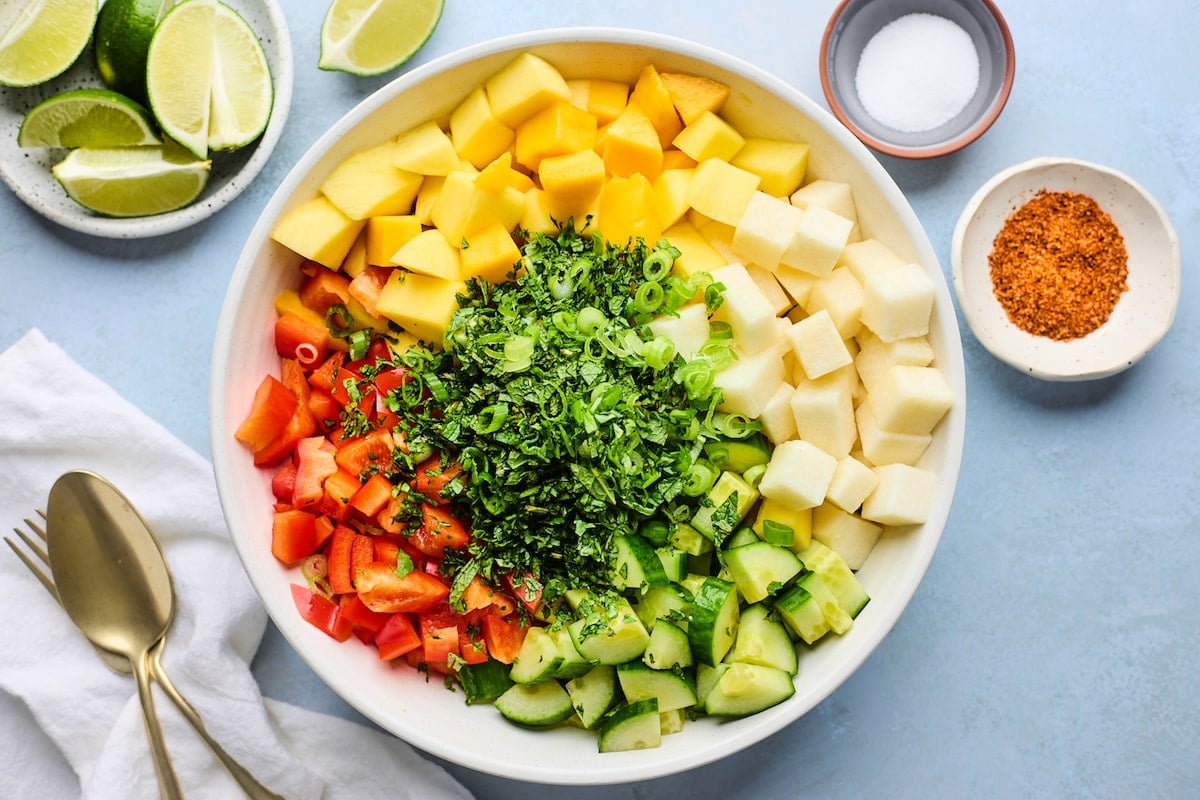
x,y
651,95
626,210
709,136
366,183
387,234
425,149
780,165
319,231
526,85
606,99
695,253
572,183
799,520
356,260
431,189
677,159
462,208
489,254
477,135
428,253
421,304
495,176
537,216
558,129
721,191
693,94
288,302
579,92
670,195
631,145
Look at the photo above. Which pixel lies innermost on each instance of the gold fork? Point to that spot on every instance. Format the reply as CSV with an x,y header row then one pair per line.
x,y
119,664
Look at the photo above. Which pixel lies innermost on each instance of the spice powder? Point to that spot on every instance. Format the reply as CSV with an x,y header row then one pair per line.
x,y
1059,265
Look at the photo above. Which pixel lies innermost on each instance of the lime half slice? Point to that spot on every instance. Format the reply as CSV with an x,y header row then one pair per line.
x,y
41,38
132,181
369,37
87,118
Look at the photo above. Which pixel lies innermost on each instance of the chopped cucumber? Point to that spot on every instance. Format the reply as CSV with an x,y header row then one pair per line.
x,y
760,569
672,721
484,682
632,727
802,615
593,694
663,602
729,485
538,659
635,564
762,639
714,620
837,575
669,647
839,621
573,664
747,689
671,688
674,562
686,538
537,705
739,455
743,535
609,636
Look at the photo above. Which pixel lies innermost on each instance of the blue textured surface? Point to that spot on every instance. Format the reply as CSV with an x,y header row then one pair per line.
x,y
1052,649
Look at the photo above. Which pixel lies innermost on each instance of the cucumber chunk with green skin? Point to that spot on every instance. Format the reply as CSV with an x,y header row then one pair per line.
x,y
802,615
609,635
714,620
837,575
484,682
761,569
839,621
673,689
573,663
742,536
663,602
739,455
672,721
706,679
537,705
633,727
686,538
708,518
593,694
669,647
747,689
762,639
635,564
538,659
674,562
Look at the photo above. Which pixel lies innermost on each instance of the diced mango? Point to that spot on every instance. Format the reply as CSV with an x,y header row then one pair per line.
x,y
721,191
696,254
572,183
421,304
677,159
537,216
489,254
692,95
799,520
387,234
607,99
356,260
477,135
651,95
709,136
319,231
431,189
625,211
367,183
670,195
462,208
496,176
631,145
429,254
558,129
526,85
425,149
288,302
579,92
780,165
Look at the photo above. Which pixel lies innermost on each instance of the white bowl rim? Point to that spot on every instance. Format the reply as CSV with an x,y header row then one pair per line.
x,y
1015,357
281,609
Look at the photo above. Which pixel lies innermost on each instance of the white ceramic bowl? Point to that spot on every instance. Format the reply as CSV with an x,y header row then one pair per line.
x,y
1142,316
399,699
27,171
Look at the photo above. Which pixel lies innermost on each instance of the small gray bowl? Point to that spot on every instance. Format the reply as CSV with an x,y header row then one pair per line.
x,y
853,25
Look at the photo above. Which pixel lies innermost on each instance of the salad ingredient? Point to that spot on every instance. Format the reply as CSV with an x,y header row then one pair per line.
x,y
123,32
369,37
207,78
87,118
132,181
39,39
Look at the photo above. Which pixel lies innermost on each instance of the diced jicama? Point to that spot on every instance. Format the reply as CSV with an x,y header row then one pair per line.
x,y
687,329
750,381
887,447
896,303
841,295
849,535
746,309
875,356
910,399
778,423
823,410
852,482
797,475
867,257
765,230
818,345
902,497
818,241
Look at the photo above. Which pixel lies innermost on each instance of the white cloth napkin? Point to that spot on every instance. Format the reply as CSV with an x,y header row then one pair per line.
x,y
69,727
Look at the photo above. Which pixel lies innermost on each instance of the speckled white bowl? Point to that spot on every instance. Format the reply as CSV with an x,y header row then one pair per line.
x,y
400,699
1142,316
27,171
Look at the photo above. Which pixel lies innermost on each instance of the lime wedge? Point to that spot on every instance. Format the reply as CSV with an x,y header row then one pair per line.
x,y
41,38
87,118
123,32
132,181
369,37
207,78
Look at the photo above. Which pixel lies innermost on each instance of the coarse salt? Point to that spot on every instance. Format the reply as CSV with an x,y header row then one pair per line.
x,y
917,73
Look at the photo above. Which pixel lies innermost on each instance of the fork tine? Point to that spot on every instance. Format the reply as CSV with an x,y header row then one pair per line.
x,y
33,567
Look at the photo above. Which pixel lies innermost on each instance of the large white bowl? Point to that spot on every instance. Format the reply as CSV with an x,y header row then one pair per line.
x,y
401,700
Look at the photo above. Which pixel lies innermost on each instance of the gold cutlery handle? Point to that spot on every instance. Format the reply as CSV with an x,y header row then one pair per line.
x,y
168,784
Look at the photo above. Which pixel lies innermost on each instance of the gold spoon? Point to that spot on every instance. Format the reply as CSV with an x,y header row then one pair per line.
x,y
114,583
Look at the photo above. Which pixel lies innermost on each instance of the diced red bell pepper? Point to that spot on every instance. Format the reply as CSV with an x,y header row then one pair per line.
x,y
324,289
387,551
338,555
298,338
526,588
397,637
381,589
390,379
314,463
367,285
504,635
293,536
373,449
270,412
372,496
480,595
301,425
331,378
356,612
339,488
439,627
321,612
386,518
283,482
472,646
440,531
324,410
431,477
325,527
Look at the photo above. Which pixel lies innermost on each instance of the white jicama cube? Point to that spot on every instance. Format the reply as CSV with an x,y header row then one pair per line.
x,y
852,482
797,283
868,257
778,424
784,345
850,536
818,241
841,295
834,196
797,475
746,308
749,382
910,399
765,230
824,414
897,303
687,329
903,496
875,356
776,296
819,347
887,447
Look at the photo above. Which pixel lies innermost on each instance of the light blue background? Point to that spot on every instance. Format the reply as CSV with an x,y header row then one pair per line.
x,y
1052,649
